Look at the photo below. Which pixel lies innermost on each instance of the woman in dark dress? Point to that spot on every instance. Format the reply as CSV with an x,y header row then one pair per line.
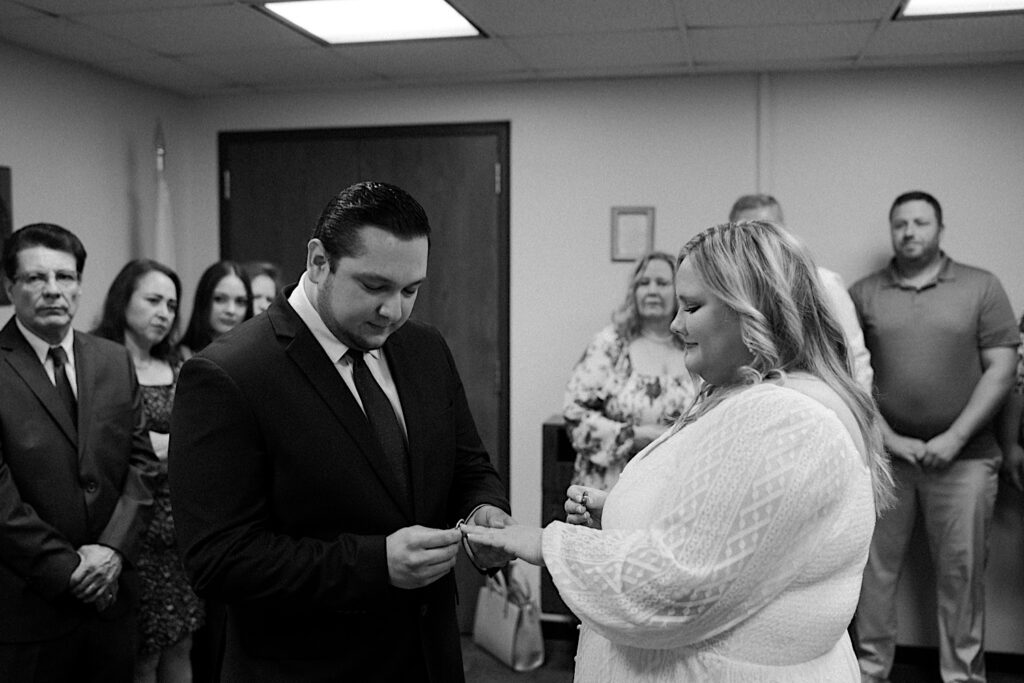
x,y
141,312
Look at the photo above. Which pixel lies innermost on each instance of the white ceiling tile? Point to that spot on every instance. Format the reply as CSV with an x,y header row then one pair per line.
x,y
746,13
197,30
959,36
79,7
227,46
15,10
615,71
64,38
874,61
470,56
785,43
306,66
605,49
778,65
170,74
544,17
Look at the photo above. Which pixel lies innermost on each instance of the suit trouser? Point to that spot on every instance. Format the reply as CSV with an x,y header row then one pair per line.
x,y
956,505
96,651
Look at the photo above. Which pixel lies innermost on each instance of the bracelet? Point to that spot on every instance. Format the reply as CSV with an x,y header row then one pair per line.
x,y
472,556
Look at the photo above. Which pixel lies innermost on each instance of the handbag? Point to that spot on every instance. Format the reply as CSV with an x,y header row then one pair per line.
x,y
507,623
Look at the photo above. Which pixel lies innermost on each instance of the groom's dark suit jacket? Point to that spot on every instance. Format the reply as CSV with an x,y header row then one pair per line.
x,y
283,498
62,487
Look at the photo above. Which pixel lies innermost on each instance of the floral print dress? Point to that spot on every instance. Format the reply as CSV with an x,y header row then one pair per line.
x,y
168,610
606,398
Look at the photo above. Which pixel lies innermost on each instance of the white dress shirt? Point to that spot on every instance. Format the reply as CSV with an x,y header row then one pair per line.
x,y
336,350
42,349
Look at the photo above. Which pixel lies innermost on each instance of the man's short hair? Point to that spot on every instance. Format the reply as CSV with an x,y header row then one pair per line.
x,y
917,196
379,205
753,201
41,235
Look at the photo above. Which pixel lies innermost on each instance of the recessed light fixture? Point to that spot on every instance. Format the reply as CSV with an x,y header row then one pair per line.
x,y
932,8
369,21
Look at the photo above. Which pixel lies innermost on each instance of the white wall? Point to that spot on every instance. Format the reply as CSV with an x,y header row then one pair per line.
x,y
80,148
841,145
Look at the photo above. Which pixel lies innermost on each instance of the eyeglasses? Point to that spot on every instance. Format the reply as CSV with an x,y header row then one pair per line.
x,y
36,280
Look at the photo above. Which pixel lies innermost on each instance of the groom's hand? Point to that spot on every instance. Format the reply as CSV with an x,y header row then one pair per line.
x,y
486,557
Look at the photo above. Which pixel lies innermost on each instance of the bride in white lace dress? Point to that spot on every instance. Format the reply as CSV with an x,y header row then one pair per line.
x,y
732,547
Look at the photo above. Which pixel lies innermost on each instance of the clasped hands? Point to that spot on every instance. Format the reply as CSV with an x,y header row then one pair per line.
x,y
94,580
583,506
418,555
937,453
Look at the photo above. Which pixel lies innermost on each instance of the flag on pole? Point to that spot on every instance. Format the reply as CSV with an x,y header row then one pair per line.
x,y
163,245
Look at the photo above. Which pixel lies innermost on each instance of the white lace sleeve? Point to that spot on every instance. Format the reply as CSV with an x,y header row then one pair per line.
x,y
744,498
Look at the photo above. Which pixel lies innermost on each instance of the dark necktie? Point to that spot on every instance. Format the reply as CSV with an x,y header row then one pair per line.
x,y
60,378
382,419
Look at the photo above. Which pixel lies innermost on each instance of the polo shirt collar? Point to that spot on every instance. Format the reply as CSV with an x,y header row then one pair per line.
x,y
946,273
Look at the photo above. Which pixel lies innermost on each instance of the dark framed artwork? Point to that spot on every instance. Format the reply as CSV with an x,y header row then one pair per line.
x,y
5,216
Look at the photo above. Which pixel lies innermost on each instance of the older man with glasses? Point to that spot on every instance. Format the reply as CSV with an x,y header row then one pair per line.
x,y
76,475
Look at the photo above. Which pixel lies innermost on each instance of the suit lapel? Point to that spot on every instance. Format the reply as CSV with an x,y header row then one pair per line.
x,y
305,351
25,363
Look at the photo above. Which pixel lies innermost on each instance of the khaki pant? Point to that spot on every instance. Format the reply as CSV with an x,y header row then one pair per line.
x,y
956,505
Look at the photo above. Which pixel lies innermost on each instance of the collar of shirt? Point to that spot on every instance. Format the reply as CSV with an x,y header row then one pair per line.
x,y
42,347
334,348
42,350
945,273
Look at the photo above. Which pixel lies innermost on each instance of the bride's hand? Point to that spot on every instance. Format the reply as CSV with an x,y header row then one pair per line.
x,y
583,505
522,541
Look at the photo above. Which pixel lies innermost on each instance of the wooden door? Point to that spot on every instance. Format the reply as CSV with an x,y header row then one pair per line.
x,y
275,184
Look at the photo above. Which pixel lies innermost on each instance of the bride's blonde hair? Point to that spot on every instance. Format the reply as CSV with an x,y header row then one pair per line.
x,y
764,274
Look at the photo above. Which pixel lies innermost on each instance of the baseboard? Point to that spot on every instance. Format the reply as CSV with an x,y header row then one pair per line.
x,y
912,655
563,627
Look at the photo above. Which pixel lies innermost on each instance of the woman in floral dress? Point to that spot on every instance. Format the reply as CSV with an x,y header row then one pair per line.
x,y
631,382
140,312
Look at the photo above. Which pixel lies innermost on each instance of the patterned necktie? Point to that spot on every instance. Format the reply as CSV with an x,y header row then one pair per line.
x,y
382,419
60,378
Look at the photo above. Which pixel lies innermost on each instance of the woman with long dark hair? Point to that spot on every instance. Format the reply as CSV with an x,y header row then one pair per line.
x,y
141,312
223,300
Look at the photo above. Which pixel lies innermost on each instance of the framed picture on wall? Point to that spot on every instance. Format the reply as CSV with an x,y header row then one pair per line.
x,y
632,232
6,217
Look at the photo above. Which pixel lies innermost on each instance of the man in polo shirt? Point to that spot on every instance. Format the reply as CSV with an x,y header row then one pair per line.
x,y
943,347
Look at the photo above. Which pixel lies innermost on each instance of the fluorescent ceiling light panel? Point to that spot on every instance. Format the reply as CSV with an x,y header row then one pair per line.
x,y
369,21
924,8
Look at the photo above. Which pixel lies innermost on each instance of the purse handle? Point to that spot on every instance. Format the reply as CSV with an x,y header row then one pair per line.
x,y
507,586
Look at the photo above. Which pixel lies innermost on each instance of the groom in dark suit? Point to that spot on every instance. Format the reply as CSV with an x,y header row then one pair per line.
x,y
76,476
321,456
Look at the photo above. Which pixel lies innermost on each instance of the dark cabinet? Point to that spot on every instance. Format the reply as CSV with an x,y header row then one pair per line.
x,y
558,459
